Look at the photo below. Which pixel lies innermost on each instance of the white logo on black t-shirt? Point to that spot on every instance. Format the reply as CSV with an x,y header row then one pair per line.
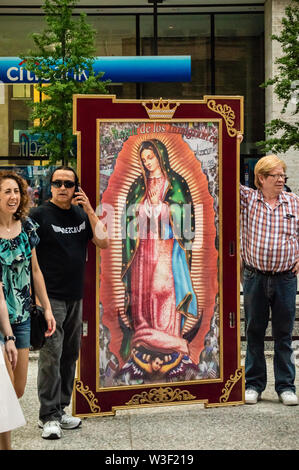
x,y
69,229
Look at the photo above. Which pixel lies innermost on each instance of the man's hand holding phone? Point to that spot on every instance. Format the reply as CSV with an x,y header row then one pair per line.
x,y
82,200
100,237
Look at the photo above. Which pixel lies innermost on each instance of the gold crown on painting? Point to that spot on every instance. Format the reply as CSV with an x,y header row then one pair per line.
x,y
160,109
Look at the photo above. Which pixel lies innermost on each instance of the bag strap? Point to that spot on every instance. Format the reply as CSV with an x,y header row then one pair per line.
x,y
32,283
30,264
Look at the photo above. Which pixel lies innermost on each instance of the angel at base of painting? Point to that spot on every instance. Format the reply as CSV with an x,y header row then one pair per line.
x,y
161,316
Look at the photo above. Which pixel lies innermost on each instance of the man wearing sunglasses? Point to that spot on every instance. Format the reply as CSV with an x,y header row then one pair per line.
x,y
270,256
66,223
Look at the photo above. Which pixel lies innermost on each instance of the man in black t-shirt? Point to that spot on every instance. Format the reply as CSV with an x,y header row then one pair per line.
x,y
64,230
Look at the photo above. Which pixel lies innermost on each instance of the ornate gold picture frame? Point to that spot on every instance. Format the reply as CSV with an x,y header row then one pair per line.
x,y
161,304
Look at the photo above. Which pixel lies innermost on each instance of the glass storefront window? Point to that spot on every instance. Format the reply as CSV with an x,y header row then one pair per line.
x,y
227,58
239,69
116,36
14,117
179,35
15,34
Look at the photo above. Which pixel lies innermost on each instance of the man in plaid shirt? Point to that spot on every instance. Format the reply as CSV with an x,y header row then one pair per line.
x,y
270,258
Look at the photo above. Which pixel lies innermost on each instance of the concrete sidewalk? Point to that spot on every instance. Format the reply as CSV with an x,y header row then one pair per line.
x,y
269,425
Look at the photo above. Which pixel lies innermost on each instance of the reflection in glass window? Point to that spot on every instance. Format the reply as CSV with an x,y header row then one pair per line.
x,y
16,33
227,58
180,35
239,69
115,35
21,91
18,126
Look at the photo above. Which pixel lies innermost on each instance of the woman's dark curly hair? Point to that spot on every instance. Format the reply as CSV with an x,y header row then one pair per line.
x,y
23,208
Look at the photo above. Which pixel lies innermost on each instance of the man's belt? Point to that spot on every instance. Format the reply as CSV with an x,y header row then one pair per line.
x,y
266,273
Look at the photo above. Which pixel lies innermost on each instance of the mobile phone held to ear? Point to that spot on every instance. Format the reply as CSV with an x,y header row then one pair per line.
x,y
77,190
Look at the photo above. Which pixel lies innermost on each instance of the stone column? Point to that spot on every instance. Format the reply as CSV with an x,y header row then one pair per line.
x,y
274,12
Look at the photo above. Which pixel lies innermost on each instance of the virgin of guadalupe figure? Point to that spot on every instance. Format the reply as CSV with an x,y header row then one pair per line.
x,y
161,316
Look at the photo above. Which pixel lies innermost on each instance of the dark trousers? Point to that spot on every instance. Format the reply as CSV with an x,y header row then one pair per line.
x,y
263,292
57,360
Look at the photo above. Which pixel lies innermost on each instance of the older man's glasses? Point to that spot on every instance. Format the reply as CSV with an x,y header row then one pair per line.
x,y
277,177
66,183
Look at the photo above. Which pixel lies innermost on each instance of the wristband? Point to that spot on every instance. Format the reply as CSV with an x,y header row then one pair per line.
x,y
9,338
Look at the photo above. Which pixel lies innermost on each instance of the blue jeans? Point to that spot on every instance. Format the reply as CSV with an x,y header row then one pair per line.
x,y
263,292
22,333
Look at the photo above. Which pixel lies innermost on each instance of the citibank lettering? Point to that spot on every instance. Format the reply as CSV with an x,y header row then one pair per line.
x,y
20,74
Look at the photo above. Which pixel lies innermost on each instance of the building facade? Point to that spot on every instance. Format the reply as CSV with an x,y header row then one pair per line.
x,y
229,43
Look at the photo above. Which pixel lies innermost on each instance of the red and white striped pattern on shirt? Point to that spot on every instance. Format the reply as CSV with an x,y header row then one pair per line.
x,y
269,237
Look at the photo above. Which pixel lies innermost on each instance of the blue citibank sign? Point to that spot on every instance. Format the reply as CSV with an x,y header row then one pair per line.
x,y
116,69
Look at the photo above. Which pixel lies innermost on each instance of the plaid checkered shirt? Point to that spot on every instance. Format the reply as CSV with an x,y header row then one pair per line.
x,y
269,237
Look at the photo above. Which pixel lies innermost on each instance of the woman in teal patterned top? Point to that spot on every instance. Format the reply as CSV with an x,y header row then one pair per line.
x,y
18,239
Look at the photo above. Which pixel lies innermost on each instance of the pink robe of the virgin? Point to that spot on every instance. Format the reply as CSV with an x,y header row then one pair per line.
x,y
155,318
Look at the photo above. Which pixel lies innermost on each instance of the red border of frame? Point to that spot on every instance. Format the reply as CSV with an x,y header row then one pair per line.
x,y
87,399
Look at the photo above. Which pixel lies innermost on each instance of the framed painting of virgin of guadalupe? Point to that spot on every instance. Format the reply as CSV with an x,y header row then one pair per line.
x,y
161,306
